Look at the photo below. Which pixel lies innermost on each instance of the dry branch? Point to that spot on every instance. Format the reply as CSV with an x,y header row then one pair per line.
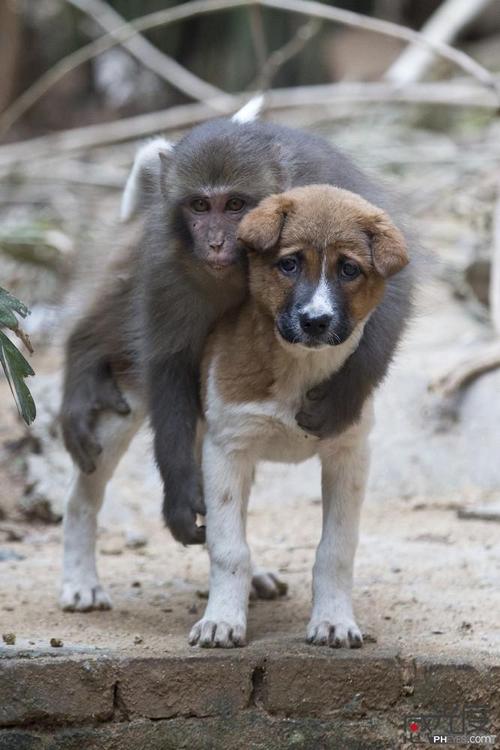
x,y
488,359
279,57
466,372
201,7
443,26
146,53
495,269
325,98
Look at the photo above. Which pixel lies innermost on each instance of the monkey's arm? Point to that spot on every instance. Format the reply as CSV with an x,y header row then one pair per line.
x,y
336,404
174,408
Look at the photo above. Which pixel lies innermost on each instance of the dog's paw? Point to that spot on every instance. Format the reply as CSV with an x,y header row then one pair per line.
x,y
80,597
336,633
220,634
267,585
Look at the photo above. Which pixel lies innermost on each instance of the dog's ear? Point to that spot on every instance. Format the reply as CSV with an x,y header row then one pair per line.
x,y
388,245
260,229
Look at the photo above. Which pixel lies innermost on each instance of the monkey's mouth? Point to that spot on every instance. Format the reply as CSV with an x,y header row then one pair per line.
x,y
221,263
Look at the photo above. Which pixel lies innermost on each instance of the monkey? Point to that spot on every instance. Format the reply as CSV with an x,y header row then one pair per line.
x,y
137,350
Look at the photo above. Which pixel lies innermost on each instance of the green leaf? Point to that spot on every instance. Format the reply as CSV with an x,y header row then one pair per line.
x,y
8,305
16,369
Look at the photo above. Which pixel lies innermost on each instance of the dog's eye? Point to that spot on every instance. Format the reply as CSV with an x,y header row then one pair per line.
x,y
288,265
349,270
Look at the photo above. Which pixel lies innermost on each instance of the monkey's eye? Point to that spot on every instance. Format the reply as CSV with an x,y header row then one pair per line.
x,y
235,204
289,265
200,205
349,270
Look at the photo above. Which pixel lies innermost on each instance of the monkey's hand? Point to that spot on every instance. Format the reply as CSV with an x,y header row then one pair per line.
x,y
332,407
83,401
182,503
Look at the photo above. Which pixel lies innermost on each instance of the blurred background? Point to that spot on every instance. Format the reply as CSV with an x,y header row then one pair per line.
x,y
426,123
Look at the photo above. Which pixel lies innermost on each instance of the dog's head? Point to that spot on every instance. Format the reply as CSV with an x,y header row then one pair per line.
x,y
319,260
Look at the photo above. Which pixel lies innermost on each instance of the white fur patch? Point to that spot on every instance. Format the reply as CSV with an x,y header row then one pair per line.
x,y
250,111
146,160
321,301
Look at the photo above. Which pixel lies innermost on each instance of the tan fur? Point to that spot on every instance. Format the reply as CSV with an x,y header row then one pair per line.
x,y
321,222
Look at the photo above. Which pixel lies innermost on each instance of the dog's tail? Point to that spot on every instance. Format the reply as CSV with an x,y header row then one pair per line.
x,y
144,170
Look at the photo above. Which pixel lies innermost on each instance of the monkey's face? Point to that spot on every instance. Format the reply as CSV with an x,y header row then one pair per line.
x,y
318,262
212,221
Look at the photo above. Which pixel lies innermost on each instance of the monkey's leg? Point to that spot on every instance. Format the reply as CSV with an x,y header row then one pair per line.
x,y
81,589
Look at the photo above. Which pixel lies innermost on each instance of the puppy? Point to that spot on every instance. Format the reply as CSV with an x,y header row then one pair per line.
x,y
319,260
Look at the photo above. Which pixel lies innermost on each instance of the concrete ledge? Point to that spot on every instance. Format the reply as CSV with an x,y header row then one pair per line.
x,y
260,697
55,691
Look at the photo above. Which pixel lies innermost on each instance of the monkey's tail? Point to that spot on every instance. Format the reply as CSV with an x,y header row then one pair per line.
x,y
146,163
250,111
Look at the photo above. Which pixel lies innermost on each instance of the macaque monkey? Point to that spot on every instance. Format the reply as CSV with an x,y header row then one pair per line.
x,y
137,350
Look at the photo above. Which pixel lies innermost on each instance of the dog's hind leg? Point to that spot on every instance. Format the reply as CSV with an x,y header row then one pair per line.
x,y
345,462
81,589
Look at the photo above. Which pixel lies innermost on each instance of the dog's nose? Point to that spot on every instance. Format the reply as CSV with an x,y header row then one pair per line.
x,y
315,325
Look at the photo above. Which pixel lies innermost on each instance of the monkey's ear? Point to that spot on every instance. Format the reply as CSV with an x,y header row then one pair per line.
x,y
260,229
388,244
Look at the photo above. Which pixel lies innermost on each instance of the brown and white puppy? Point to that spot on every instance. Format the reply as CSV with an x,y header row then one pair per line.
x,y
319,258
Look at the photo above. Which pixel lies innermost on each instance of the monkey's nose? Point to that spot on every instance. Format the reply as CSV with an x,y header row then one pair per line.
x,y
215,245
315,325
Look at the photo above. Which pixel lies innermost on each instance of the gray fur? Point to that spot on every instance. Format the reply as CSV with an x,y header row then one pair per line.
x,y
151,327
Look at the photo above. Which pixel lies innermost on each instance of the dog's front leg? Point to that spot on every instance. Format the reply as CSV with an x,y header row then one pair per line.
x,y
344,472
227,480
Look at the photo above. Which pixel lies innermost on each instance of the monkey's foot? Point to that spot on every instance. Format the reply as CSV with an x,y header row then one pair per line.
x,y
81,597
267,585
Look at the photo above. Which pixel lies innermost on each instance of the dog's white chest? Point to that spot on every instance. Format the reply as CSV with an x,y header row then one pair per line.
x,y
266,429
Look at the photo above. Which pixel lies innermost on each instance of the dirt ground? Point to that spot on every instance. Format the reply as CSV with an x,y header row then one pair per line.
x,y
426,580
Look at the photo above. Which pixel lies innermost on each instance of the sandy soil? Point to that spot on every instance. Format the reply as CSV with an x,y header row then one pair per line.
x,y
426,582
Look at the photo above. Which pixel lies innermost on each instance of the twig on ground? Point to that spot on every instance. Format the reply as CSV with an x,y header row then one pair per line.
x,y
443,26
147,54
201,7
279,57
468,371
489,358
495,269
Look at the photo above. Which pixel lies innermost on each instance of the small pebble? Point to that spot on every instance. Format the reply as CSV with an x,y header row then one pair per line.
x,y
9,639
202,594
136,584
56,643
138,639
193,609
